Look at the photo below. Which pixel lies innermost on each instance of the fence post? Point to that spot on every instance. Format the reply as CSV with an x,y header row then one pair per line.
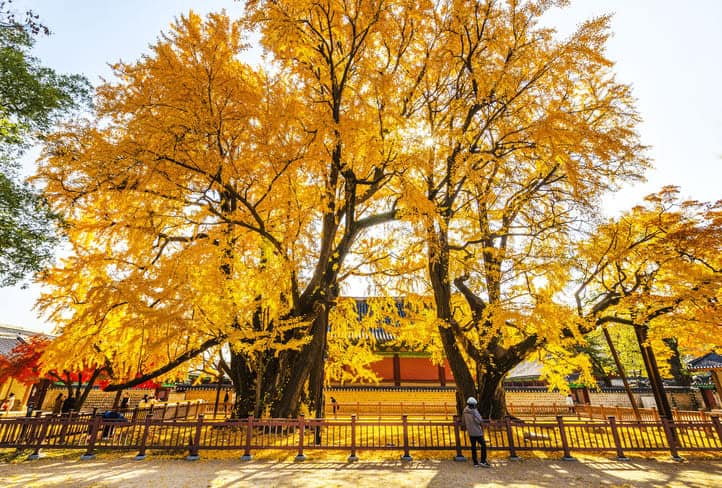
x,y
196,441
353,457
94,427
64,424
563,435
668,426
301,434
510,437
405,426
457,439
29,428
717,426
144,440
617,440
45,425
249,436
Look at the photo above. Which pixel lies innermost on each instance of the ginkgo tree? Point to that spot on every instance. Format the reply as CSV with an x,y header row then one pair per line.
x,y
657,270
212,204
526,130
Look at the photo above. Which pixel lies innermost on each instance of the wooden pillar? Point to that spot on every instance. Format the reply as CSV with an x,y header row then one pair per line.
x,y
442,375
397,370
717,380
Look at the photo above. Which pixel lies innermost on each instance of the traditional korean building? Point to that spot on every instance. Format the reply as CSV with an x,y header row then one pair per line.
x,y
711,362
401,366
9,338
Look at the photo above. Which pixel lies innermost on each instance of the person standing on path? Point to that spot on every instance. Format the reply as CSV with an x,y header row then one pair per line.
x,y
472,421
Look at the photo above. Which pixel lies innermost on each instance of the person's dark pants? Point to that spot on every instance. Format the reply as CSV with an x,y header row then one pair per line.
x,y
480,440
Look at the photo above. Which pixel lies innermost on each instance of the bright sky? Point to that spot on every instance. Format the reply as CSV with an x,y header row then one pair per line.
x,y
666,49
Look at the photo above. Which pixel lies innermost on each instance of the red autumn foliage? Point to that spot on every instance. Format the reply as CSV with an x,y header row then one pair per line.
x,y
23,364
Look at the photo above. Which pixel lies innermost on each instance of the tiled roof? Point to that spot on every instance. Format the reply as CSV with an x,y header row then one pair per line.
x,y
9,330
708,361
526,369
7,344
12,336
381,334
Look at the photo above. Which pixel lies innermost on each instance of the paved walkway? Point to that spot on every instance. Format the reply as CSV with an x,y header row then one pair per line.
x,y
114,472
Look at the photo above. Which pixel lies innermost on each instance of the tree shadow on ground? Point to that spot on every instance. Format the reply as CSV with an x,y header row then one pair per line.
x,y
124,472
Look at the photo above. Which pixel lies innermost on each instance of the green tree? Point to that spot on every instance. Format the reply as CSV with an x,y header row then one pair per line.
x,y
32,98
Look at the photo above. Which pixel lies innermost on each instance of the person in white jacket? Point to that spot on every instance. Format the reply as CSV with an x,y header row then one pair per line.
x,y
472,421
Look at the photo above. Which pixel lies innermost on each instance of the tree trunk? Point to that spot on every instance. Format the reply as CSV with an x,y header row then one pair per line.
x,y
655,380
244,383
300,365
462,376
317,373
439,276
492,396
675,364
622,374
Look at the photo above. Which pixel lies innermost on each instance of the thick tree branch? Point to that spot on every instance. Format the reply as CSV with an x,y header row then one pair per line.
x,y
169,366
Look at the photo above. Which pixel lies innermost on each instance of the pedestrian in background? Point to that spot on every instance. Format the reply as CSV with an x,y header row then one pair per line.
x,y
58,404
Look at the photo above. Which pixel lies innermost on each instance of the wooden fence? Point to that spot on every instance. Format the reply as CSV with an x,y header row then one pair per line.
x,y
646,414
447,410
423,410
166,411
93,433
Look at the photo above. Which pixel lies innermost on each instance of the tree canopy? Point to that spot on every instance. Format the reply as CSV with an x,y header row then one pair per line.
x,y
452,153
232,199
526,131
656,266
32,98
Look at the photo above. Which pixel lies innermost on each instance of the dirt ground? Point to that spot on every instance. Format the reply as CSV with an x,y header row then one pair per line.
x,y
124,472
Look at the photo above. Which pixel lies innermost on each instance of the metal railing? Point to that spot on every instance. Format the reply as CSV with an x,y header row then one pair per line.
x,y
353,435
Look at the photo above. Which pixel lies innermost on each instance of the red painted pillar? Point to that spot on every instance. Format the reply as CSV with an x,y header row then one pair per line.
x,y
397,370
